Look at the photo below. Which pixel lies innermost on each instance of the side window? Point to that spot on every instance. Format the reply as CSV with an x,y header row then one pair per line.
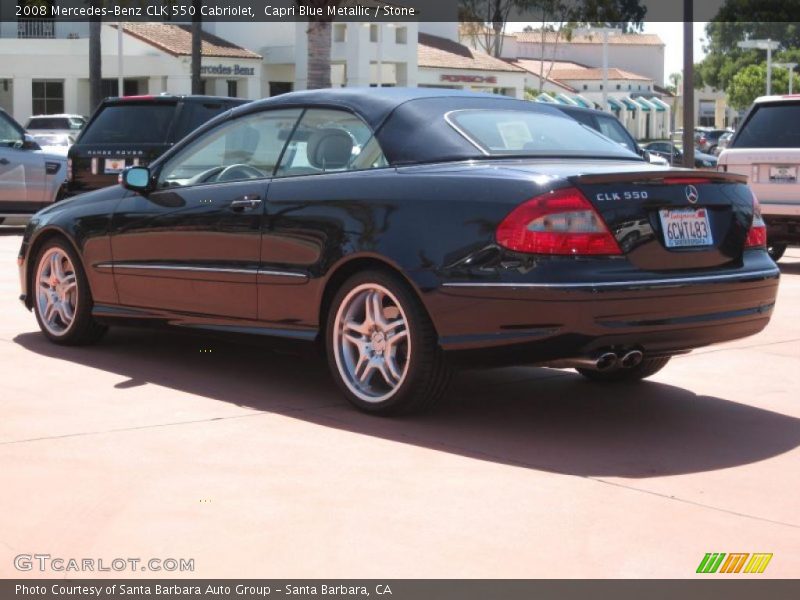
x,y
9,135
328,141
613,129
247,148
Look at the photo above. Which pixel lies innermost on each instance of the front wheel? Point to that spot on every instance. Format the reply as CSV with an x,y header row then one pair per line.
x,y
62,299
646,368
382,347
776,251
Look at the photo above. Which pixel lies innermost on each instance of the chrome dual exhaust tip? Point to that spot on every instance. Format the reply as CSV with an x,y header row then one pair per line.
x,y
606,361
632,359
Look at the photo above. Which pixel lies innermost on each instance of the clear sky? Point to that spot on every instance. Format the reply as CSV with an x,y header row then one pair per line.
x,y
672,34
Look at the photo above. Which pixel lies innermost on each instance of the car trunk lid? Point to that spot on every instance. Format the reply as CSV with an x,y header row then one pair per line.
x,y
673,219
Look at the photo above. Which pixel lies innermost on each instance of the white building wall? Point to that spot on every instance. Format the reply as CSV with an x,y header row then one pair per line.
x,y
647,60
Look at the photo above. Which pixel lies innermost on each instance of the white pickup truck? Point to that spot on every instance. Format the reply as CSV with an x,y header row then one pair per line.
x,y
766,148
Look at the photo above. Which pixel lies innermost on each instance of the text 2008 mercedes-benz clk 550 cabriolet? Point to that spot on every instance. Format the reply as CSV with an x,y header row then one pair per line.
x,y
408,231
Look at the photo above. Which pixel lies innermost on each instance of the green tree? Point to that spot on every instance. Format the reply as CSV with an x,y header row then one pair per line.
x,y
750,83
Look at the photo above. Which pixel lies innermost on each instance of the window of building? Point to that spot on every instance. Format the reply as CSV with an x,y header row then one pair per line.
x,y
601,86
111,87
233,88
276,88
629,86
619,87
586,87
373,33
48,96
340,32
401,35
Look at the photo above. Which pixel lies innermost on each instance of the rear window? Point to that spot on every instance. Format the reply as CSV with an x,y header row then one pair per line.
x,y
55,123
771,126
195,114
527,133
146,123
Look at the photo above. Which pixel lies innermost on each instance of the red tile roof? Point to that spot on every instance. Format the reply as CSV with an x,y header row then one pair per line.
x,y
177,40
437,52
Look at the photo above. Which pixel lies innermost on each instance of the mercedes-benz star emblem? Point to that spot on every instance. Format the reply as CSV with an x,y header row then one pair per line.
x,y
692,195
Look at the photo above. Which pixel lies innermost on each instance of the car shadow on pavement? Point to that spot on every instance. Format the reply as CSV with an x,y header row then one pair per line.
x,y
789,268
528,417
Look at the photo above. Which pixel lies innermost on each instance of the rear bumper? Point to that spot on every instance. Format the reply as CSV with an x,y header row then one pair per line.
x,y
506,323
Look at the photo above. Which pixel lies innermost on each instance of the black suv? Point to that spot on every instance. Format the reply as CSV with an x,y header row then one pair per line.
x,y
134,130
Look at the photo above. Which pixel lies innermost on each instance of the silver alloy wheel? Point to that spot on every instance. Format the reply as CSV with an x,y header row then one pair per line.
x,y
56,291
371,343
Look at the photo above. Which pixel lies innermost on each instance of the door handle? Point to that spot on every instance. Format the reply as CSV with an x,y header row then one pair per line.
x,y
248,201
3,161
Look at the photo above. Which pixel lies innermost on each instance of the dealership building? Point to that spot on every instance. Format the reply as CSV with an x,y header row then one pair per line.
x,y
44,64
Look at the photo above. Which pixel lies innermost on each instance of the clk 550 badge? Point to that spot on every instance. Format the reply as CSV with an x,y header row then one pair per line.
x,y
615,196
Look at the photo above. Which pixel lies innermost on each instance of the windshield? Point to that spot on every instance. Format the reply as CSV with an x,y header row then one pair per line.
x,y
529,133
771,126
146,123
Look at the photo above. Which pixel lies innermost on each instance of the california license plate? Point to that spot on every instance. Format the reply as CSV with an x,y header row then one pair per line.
x,y
685,227
114,165
782,174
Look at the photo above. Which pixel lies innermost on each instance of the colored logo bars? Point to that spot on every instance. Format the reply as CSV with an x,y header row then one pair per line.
x,y
714,562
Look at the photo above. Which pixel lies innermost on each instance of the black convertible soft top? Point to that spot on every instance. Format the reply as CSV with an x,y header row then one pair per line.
x,y
409,122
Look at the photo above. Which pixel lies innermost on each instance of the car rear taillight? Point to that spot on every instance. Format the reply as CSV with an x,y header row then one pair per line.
x,y
560,222
69,169
757,234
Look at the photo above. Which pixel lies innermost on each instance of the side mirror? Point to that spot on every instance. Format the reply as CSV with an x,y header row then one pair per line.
x,y
136,179
30,143
645,154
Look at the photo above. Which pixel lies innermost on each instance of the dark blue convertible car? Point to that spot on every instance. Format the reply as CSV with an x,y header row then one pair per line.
x,y
407,231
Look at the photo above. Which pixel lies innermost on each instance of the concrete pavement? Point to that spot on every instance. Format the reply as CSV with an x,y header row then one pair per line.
x,y
166,445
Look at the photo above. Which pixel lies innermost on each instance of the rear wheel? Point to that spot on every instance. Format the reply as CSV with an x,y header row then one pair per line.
x,y
382,348
776,251
646,368
62,299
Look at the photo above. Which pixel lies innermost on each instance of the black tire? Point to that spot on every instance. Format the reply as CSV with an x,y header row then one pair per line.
x,y
426,374
646,368
83,329
776,251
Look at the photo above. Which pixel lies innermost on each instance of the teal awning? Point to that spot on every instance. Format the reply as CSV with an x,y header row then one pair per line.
x,y
582,102
630,104
643,104
545,98
564,99
614,104
660,105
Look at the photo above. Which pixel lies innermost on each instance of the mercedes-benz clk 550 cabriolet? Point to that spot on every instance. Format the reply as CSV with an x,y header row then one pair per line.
x,y
408,231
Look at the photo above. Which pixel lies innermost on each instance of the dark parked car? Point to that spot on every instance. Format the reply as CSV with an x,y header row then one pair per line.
x,y
406,230
134,130
610,127
674,155
709,139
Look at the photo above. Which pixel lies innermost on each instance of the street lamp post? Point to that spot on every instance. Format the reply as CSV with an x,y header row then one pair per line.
x,y
606,31
787,65
768,45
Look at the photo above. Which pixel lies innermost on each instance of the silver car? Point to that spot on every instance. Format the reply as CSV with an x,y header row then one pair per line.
x,y
30,178
52,124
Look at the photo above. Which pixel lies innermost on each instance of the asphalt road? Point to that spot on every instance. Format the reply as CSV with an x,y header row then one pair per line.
x,y
163,445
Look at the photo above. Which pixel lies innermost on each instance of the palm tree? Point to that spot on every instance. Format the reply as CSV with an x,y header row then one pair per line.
x,y
197,41
95,58
319,44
